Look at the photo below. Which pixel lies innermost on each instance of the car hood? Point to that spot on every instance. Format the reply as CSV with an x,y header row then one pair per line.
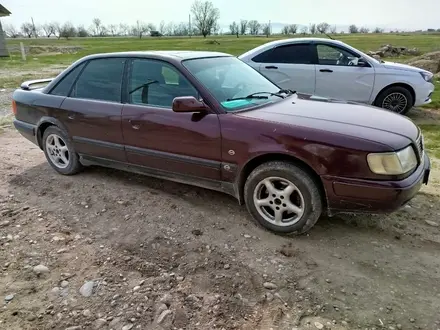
x,y
404,67
342,117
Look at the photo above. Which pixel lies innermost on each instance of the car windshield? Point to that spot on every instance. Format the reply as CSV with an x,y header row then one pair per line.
x,y
234,84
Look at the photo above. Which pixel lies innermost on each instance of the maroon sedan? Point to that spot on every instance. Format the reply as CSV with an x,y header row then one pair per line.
x,y
208,119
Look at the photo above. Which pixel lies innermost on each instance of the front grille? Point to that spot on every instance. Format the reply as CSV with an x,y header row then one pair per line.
x,y
420,146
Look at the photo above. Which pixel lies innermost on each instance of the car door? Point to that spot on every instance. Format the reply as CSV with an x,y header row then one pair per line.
x,y
338,75
92,110
179,145
289,66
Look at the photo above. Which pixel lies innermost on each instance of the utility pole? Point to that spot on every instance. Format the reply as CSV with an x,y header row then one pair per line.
x,y
34,29
189,25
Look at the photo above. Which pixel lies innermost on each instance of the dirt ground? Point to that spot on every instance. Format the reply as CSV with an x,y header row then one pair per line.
x,y
160,255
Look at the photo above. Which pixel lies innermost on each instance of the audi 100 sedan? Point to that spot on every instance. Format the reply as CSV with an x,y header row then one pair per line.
x,y
210,120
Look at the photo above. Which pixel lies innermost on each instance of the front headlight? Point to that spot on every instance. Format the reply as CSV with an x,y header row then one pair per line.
x,y
427,76
393,163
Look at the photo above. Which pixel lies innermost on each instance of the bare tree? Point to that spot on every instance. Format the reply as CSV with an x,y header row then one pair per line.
x,y
323,27
67,31
169,29
162,28
285,29
180,29
82,32
333,29
364,30
254,27
266,29
205,16
123,29
379,30
11,31
353,29
304,30
233,28
97,27
27,29
48,29
113,30
293,28
312,28
243,27
141,28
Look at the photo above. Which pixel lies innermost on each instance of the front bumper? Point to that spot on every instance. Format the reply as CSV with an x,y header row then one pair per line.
x,y
367,196
424,94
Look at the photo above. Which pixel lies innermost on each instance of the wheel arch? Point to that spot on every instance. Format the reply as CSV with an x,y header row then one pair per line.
x,y
265,158
399,84
43,124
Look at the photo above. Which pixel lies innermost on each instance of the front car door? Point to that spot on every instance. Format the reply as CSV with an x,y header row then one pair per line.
x,y
185,145
289,66
338,75
91,112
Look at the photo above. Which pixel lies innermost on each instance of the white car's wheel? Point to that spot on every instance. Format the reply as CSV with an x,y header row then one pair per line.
x,y
396,98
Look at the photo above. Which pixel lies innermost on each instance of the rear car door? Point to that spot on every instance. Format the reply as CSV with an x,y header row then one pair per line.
x,y
168,143
289,66
92,110
338,75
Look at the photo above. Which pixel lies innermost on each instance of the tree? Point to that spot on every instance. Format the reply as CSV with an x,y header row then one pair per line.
x,y
162,28
364,30
254,27
82,32
67,31
113,29
141,28
27,29
97,27
353,29
205,16
304,30
266,29
333,29
11,31
123,29
378,30
233,28
285,29
312,28
49,29
323,27
243,27
293,28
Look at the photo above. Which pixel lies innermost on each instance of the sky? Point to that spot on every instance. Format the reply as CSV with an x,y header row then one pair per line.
x,y
391,14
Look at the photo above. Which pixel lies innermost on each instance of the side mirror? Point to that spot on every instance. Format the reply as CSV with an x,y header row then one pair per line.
x,y
188,104
362,62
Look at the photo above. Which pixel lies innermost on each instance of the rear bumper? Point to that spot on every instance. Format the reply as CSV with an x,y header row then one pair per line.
x,y
364,196
27,130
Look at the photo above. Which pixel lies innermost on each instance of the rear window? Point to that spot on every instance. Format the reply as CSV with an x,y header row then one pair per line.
x,y
63,87
289,54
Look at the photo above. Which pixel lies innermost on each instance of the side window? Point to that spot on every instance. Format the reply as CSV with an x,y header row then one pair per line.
x,y
157,83
329,55
63,87
100,80
289,54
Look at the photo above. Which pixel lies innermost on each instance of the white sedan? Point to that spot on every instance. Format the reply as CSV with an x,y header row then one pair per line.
x,y
332,69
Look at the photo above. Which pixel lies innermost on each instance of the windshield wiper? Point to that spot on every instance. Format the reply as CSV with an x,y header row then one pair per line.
x,y
286,91
256,96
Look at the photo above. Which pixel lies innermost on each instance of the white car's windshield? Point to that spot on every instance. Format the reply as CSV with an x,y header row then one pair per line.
x,y
234,84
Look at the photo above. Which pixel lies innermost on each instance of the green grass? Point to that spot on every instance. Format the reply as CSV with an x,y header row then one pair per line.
x,y
228,44
435,97
431,134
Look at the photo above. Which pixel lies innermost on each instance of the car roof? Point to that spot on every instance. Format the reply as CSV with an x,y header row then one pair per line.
x,y
179,55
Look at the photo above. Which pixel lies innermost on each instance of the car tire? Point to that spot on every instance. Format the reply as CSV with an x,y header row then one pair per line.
x,y
59,151
396,98
266,197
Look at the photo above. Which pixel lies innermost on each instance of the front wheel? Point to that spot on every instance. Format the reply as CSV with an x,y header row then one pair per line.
x,y
283,198
397,99
59,151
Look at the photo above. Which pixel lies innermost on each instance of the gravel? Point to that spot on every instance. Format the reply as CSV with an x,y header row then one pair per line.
x,y
5,101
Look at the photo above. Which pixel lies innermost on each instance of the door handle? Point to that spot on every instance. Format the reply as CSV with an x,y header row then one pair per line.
x,y
134,124
271,67
326,70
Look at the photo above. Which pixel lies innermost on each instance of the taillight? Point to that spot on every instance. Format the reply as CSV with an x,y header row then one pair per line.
x,y
14,107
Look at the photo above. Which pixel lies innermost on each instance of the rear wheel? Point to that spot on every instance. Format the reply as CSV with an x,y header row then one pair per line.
x,y
396,98
59,151
283,198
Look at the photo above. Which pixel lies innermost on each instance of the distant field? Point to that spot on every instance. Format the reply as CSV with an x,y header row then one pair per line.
x,y
228,44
